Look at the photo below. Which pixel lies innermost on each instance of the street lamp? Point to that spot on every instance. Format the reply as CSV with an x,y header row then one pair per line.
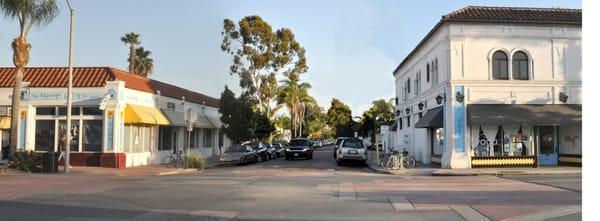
x,y
69,91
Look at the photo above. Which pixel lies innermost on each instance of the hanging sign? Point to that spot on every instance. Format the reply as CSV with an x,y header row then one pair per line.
x,y
459,119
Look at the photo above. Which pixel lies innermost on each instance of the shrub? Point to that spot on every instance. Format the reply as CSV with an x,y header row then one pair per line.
x,y
24,161
196,161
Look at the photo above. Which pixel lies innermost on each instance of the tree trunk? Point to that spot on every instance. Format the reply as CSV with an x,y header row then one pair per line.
x,y
131,59
20,59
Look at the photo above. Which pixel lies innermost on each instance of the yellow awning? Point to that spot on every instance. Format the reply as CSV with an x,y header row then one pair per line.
x,y
5,123
135,114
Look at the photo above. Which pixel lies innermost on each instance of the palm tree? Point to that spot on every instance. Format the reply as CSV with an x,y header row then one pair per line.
x,y
294,94
29,14
132,39
144,65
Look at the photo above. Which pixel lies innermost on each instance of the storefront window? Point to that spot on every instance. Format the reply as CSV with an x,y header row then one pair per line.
x,y
137,138
208,138
92,135
438,141
46,111
44,135
165,138
505,140
74,144
92,111
62,111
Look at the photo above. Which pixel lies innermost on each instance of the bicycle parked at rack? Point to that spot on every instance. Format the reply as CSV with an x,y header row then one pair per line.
x,y
175,160
393,159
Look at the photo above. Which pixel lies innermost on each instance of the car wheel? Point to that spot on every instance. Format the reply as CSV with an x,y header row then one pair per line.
x,y
338,162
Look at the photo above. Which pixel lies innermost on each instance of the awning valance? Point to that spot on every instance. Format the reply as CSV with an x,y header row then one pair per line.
x,y
215,121
135,114
203,122
433,118
5,123
535,114
175,118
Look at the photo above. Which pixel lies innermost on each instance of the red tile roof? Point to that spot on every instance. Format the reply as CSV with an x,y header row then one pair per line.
x,y
483,14
97,77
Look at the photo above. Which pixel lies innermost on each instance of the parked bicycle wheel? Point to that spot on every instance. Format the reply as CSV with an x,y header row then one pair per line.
x,y
393,163
167,161
409,162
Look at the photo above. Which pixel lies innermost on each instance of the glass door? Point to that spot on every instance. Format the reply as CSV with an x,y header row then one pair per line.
x,y
547,141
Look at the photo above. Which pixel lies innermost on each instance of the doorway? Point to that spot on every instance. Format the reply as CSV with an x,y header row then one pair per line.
x,y
548,145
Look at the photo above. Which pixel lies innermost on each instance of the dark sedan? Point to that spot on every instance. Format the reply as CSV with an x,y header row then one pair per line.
x,y
299,148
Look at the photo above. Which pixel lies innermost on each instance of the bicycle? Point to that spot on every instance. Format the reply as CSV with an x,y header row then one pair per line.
x,y
394,159
408,161
178,161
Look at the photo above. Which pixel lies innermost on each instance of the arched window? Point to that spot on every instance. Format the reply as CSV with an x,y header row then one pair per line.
x,y
520,66
500,66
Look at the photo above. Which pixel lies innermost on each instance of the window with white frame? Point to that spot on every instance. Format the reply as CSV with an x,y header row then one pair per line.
x,y
435,71
520,66
418,83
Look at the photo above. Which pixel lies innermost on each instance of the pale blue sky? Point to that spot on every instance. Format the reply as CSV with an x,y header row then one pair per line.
x,y
352,45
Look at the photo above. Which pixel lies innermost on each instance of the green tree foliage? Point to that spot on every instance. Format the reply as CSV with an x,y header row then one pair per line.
x,y
29,14
294,95
380,113
238,118
283,122
240,121
259,56
315,120
339,117
144,64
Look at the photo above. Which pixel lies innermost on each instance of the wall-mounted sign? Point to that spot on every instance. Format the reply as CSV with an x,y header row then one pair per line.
x,y
459,120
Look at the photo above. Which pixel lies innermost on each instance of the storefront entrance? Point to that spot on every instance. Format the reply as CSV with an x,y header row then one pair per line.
x,y
547,143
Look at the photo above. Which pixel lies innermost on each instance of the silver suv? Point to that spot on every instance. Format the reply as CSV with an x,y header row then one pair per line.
x,y
351,150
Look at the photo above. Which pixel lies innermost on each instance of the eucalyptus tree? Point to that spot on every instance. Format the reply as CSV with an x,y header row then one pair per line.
x,y
29,14
258,52
144,64
132,39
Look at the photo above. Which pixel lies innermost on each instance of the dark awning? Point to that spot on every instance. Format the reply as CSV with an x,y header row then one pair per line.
x,y
433,118
537,114
394,126
175,118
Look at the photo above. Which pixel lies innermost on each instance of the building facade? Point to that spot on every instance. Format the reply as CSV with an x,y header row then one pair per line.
x,y
119,119
494,87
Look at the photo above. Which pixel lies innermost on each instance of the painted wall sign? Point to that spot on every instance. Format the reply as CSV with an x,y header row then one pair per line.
x,y
459,119
110,116
22,129
59,96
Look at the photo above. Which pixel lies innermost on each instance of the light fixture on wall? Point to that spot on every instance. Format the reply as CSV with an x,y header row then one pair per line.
x,y
562,97
398,113
421,105
460,97
407,110
439,99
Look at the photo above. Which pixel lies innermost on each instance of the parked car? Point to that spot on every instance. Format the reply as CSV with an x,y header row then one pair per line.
x,y
351,150
299,148
271,151
337,144
261,150
239,154
318,143
278,149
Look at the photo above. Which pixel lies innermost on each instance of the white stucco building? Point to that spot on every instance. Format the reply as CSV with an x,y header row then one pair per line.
x,y
494,87
140,121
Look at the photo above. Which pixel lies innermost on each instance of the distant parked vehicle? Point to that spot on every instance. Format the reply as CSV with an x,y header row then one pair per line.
x,y
239,154
278,149
261,150
351,150
271,151
299,148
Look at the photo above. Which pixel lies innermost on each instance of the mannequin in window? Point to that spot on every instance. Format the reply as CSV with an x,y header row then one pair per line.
x,y
483,144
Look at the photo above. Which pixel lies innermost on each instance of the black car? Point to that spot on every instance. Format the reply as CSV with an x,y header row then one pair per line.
x,y
261,150
299,148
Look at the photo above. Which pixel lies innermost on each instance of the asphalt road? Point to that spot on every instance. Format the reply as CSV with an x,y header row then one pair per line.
x,y
567,182
282,190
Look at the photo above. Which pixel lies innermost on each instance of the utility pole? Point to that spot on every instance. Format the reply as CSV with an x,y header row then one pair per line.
x,y
69,92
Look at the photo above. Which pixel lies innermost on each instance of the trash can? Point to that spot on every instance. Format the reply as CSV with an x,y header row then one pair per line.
x,y
50,162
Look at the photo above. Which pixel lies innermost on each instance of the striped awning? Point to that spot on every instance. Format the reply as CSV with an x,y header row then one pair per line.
x,y
135,114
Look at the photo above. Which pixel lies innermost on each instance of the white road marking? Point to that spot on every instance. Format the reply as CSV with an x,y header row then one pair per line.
x,y
547,214
469,213
401,203
347,191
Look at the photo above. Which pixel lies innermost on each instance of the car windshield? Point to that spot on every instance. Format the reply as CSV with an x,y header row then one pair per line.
x,y
338,141
353,144
236,148
299,143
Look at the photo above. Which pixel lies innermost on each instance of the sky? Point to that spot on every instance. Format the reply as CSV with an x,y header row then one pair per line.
x,y
352,46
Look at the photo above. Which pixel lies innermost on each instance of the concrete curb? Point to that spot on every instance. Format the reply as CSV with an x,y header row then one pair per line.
x,y
502,173
179,171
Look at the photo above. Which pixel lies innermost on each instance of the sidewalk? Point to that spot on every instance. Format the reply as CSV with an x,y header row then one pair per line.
x,y
431,170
